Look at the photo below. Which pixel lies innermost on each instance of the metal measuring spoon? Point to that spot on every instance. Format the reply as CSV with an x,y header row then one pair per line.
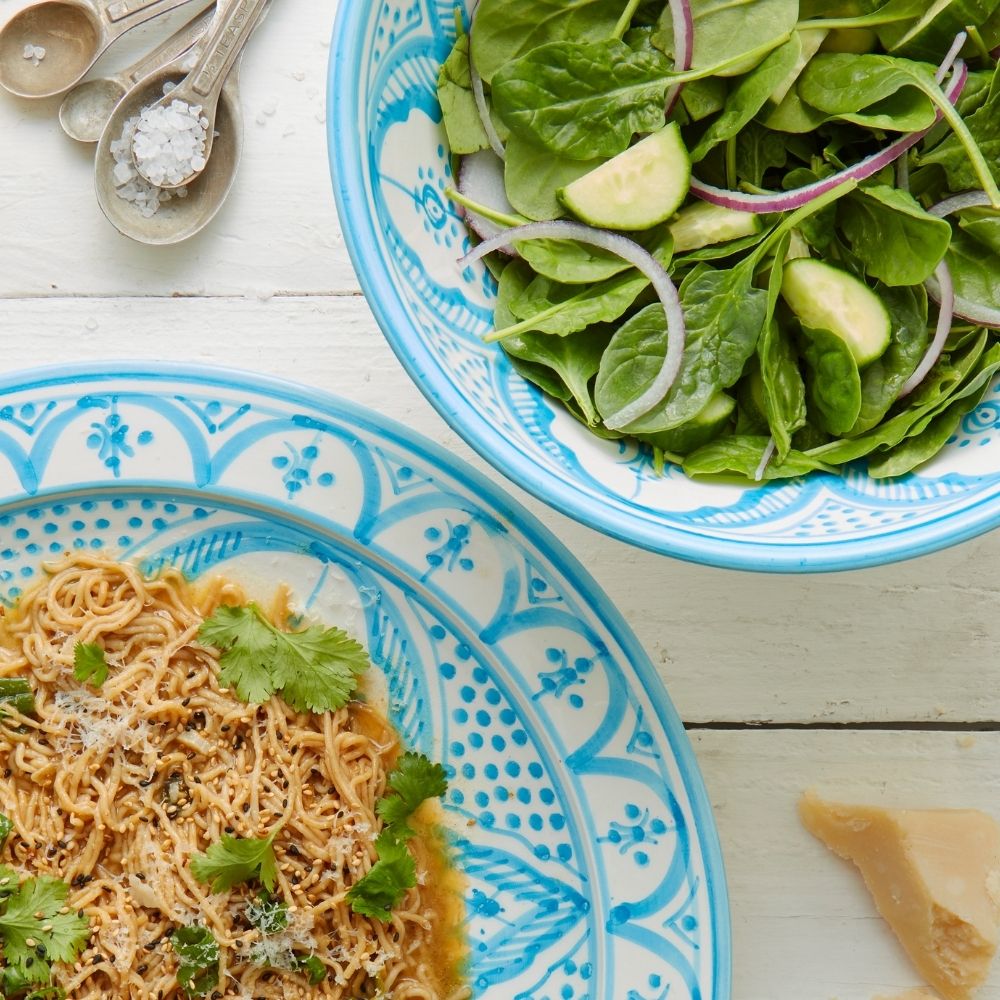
x,y
87,107
235,21
73,33
180,218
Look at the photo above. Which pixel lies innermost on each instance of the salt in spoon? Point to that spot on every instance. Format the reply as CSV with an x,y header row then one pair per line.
x,y
73,35
87,107
234,23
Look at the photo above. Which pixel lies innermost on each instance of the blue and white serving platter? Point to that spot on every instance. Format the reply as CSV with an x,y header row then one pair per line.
x,y
577,811
391,173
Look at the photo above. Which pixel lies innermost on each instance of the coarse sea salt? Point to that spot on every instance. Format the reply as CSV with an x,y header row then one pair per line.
x,y
36,53
130,185
169,141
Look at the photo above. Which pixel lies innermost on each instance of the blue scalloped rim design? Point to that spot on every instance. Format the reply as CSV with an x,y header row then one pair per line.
x,y
390,172
576,807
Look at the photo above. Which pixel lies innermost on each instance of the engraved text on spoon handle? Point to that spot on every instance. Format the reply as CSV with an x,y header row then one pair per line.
x,y
238,23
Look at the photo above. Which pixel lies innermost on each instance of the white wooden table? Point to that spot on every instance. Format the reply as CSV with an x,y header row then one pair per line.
x,y
879,685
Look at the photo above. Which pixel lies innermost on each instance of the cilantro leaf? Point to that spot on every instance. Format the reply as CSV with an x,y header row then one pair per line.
x,y
234,860
267,914
315,670
32,913
9,882
198,952
314,969
414,779
383,888
89,664
319,668
6,829
247,641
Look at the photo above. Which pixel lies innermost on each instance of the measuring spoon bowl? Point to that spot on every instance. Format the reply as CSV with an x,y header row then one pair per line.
x,y
74,34
180,218
87,107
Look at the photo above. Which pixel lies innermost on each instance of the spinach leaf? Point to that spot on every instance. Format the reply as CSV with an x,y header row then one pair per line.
x,y
533,175
983,225
576,264
940,388
583,100
725,316
833,380
702,98
885,376
893,236
458,105
749,96
932,31
507,29
950,154
974,271
783,390
758,150
793,115
548,307
741,455
727,29
575,359
914,451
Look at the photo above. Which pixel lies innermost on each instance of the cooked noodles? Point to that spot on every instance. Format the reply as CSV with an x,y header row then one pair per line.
x,y
114,790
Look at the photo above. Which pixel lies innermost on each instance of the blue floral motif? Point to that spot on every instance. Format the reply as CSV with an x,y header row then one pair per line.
x,y
110,437
213,413
639,832
296,466
555,683
449,554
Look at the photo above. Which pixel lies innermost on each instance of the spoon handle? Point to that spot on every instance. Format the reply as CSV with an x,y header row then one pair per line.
x,y
123,15
235,23
173,48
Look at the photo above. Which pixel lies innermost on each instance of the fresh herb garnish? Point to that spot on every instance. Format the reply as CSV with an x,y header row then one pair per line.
x,y
6,829
315,670
314,969
199,955
414,780
36,929
89,664
16,692
234,860
268,914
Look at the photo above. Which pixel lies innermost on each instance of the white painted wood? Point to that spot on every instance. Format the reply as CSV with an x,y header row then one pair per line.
x,y
804,925
915,641
269,288
278,232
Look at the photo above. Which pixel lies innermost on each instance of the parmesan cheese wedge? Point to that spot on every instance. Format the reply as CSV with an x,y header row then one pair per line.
x,y
935,878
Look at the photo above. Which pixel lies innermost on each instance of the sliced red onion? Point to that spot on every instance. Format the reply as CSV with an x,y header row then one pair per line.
x,y
966,309
946,316
784,201
641,260
765,460
480,95
481,179
680,12
959,202
949,59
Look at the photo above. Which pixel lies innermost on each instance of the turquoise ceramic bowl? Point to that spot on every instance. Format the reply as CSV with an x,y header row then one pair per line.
x,y
391,169
575,806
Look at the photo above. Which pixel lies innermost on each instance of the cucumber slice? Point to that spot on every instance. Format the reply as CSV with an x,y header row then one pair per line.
x,y
637,189
699,430
826,298
704,225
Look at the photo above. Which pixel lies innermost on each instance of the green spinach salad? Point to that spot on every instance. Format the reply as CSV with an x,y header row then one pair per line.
x,y
760,236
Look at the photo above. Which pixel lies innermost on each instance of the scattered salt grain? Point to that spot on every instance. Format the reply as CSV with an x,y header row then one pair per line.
x,y
169,142
36,53
130,185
